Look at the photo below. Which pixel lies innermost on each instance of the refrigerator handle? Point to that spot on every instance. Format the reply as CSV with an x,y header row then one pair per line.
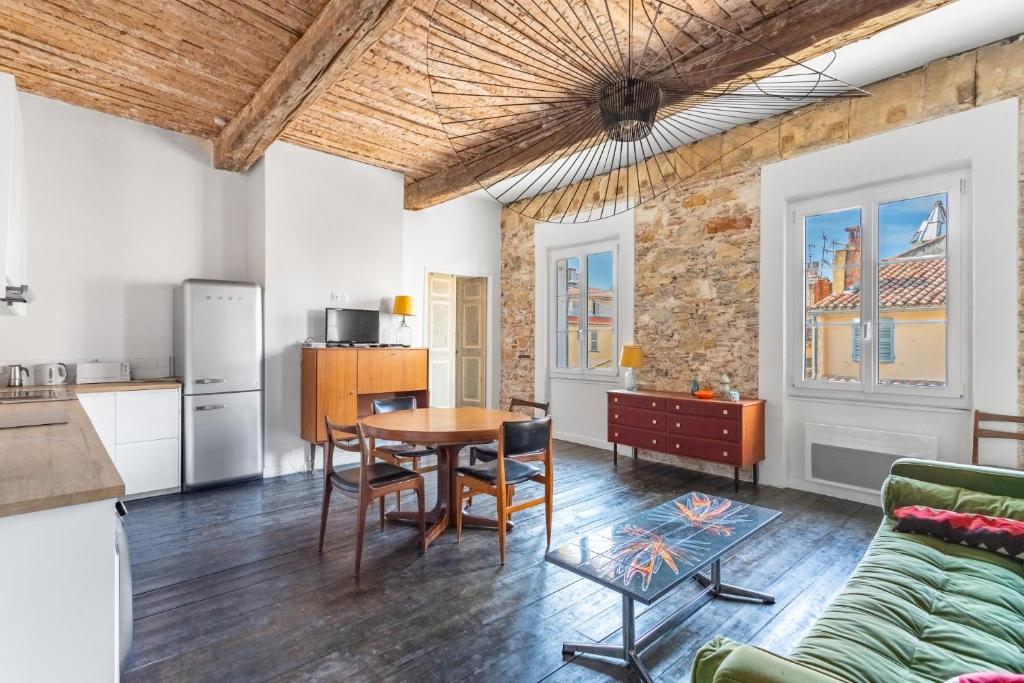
x,y
212,406
210,381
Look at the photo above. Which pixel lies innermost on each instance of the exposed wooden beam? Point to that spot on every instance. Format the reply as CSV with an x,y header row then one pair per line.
x,y
336,40
808,29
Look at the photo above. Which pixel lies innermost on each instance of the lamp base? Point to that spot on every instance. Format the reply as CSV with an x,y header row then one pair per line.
x,y
404,334
631,378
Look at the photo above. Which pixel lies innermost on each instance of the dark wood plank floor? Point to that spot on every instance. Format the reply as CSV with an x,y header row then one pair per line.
x,y
229,585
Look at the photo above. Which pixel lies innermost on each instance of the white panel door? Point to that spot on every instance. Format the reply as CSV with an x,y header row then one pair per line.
x,y
149,465
102,412
148,415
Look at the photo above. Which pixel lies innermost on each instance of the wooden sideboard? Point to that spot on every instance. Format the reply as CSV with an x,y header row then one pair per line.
x,y
340,383
727,432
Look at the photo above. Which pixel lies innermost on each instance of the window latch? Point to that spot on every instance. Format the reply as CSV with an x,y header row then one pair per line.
x,y
866,330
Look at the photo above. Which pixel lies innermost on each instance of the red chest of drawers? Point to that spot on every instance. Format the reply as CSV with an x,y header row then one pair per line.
x,y
727,432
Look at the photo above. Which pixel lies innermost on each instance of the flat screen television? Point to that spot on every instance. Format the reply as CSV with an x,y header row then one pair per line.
x,y
352,326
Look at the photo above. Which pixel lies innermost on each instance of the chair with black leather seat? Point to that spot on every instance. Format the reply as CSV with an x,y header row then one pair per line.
x,y
489,451
395,452
370,481
524,454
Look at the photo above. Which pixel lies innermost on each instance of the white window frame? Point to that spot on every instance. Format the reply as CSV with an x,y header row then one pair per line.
x,y
955,394
581,251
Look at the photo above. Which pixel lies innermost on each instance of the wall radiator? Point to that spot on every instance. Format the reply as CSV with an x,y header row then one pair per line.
x,y
859,459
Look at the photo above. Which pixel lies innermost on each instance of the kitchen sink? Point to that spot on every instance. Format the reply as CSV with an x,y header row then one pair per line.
x,y
34,394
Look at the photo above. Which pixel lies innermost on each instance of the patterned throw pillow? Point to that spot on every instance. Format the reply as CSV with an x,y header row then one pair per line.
x,y
1004,536
991,677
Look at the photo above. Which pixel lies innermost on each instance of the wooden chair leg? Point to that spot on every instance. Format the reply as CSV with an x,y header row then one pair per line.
x,y
458,511
324,508
360,532
398,501
502,522
422,516
548,503
382,512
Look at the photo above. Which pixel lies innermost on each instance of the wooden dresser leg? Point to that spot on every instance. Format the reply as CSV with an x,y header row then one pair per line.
x,y
615,454
736,479
634,452
312,456
755,474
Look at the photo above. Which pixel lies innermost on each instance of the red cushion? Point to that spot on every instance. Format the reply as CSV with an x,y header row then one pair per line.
x,y
998,534
988,678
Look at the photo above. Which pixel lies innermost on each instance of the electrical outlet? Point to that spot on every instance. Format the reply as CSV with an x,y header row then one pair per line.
x,y
339,297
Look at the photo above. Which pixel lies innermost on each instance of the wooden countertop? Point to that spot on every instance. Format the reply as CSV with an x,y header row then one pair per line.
x,y
53,466
134,385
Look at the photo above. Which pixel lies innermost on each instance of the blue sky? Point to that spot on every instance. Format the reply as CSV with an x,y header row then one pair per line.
x,y
897,222
599,270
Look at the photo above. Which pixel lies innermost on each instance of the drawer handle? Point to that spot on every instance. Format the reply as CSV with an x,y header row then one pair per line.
x,y
725,411
725,454
654,422
616,434
677,406
654,403
212,406
677,446
210,380
677,424
616,399
616,416
725,431
654,442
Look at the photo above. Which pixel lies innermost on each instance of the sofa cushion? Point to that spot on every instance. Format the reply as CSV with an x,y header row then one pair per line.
x,y
919,609
998,534
901,491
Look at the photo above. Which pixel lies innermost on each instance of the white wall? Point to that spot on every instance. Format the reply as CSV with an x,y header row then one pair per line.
x,y
983,140
330,224
117,214
580,406
460,237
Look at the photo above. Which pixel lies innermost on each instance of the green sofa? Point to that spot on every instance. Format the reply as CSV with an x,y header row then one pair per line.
x,y
917,609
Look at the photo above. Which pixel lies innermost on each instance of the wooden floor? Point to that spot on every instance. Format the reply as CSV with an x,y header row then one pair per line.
x,y
229,585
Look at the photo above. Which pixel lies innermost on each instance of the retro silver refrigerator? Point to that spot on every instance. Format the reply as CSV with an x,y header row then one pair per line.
x,y
218,356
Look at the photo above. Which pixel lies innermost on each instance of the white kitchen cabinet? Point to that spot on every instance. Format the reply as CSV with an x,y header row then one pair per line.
x,y
13,234
141,430
101,409
148,415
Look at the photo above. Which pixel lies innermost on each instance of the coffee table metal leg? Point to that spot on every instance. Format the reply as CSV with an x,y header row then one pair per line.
x,y
727,591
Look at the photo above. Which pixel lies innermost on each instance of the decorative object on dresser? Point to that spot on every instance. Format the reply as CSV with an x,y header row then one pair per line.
x,y
403,307
631,358
341,383
727,432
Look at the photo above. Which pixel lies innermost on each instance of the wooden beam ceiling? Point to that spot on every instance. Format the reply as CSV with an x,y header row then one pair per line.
x,y
810,29
338,38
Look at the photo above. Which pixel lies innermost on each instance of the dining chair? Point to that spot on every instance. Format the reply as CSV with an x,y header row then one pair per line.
x,y
489,451
524,454
397,452
985,433
370,481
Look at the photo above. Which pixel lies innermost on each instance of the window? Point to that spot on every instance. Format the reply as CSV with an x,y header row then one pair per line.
x,y
583,280
879,289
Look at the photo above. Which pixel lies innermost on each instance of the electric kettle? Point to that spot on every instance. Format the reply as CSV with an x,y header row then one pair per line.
x,y
52,373
18,376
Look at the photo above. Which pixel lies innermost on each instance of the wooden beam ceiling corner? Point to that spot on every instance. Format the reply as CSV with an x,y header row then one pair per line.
x,y
334,42
806,30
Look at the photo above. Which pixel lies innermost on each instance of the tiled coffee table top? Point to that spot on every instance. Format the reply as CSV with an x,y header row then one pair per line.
x,y
649,554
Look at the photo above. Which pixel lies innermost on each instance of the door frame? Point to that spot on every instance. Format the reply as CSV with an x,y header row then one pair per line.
x,y
491,335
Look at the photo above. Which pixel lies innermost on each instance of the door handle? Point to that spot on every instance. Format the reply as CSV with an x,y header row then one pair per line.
x,y
212,406
210,381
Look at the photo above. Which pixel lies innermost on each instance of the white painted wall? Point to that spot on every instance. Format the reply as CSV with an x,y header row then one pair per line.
x,y
460,237
329,224
983,140
579,407
117,214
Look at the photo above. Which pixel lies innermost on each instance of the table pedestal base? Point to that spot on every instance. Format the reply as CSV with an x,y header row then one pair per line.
x,y
633,646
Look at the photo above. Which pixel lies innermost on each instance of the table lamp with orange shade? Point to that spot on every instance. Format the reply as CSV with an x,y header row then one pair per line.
x,y
631,358
403,307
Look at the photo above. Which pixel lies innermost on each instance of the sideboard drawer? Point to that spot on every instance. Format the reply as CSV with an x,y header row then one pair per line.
x,y
629,436
706,427
635,417
717,409
636,401
706,449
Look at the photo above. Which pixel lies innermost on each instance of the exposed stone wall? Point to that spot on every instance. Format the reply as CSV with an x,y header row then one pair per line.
x,y
697,246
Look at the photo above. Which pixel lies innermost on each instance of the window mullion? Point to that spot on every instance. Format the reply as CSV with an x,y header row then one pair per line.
x,y
584,332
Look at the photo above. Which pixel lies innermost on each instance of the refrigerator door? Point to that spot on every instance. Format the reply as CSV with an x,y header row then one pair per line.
x,y
221,336
223,438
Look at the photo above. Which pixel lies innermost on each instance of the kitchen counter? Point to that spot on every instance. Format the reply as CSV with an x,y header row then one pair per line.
x,y
53,466
134,385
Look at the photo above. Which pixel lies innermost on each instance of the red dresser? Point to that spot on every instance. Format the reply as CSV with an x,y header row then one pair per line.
x,y
727,432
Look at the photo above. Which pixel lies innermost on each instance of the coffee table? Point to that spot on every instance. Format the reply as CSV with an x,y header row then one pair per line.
x,y
648,555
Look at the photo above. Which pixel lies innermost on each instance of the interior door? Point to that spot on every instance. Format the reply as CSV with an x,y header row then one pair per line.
x,y
471,345
441,338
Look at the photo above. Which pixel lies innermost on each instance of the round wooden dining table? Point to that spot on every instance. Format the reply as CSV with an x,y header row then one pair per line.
x,y
448,430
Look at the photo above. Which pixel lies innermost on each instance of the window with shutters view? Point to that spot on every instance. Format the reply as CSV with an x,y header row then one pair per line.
x,y
880,289
583,293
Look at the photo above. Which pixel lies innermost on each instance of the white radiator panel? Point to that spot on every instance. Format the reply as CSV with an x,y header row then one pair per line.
x,y
859,459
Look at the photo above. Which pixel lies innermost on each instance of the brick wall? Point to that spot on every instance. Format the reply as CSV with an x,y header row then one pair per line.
x,y
697,246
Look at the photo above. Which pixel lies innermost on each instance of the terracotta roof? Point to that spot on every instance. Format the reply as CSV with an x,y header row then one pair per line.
x,y
592,292
920,283
593,321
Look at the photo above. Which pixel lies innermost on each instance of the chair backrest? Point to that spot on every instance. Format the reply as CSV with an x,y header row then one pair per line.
x,y
346,438
390,405
533,405
527,436
983,433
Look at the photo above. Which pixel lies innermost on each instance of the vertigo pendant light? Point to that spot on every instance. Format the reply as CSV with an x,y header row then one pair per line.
x,y
573,110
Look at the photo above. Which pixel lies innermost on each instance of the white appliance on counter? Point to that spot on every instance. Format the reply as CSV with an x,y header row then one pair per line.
x,y
218,355
101,372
